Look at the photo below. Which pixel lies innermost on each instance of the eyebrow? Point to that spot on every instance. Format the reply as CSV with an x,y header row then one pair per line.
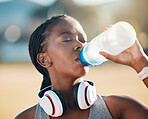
x,y
65,32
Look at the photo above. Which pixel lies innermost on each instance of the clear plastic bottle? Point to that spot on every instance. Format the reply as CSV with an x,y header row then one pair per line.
x,y
113,41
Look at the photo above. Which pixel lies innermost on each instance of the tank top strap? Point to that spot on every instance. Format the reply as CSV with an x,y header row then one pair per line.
x,y
40,113
99,110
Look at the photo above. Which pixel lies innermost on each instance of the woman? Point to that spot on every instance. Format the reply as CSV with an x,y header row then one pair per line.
x,y
54,49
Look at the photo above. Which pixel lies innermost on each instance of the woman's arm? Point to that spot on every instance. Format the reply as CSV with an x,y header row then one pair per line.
x,y
133,57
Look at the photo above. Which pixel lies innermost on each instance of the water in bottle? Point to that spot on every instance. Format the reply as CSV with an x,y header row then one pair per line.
x,y
113,41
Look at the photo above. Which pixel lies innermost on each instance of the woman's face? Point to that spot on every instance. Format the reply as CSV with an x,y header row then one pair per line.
x,y
64,44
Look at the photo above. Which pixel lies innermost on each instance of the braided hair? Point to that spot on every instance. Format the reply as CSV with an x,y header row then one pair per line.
x,y
36,47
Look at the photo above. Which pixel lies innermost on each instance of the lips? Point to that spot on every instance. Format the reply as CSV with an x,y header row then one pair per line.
x,y
77,59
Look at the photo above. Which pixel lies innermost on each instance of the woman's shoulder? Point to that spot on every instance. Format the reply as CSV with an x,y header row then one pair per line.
x,y
124,105
121,101
120,98
27,114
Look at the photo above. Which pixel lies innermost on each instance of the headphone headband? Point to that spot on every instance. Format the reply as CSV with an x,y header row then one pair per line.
x,y
41,93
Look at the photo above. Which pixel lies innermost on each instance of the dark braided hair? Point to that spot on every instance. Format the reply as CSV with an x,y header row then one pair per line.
x,y
36,47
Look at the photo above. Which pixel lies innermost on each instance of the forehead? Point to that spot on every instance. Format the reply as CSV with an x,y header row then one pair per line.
x,y
68,24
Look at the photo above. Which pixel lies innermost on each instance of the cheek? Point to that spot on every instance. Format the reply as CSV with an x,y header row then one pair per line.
x,y
60,56
63,65
63,59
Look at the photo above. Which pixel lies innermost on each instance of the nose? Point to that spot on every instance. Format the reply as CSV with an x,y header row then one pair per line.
x,y
78,46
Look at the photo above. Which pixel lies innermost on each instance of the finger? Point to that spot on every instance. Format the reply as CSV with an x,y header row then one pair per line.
x,y
108,56
106,28
110,26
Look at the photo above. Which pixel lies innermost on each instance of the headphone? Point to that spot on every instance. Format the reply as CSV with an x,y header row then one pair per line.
x,y
53,103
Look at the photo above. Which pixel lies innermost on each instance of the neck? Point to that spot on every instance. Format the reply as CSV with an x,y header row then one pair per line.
x,y
65,87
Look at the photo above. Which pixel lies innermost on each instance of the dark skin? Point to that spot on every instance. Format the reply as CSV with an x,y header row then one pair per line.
x,y
59,58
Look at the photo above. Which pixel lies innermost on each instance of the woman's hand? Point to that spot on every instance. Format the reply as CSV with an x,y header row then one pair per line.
x,y
133,56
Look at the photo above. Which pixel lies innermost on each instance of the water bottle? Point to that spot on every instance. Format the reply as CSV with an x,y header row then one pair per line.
x,y
113,41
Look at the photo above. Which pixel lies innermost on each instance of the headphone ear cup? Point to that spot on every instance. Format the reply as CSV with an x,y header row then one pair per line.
x,y
91,93
51,103
84,94
62,100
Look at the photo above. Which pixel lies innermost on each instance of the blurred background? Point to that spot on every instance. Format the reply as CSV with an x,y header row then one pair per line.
x,y
20,81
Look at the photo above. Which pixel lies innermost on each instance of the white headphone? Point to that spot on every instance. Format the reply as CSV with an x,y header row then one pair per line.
x,y
53,103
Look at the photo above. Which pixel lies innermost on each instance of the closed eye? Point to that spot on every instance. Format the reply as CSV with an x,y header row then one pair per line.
x,y
67,39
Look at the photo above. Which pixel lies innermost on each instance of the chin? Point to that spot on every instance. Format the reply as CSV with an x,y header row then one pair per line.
x,y
80,72
84,71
